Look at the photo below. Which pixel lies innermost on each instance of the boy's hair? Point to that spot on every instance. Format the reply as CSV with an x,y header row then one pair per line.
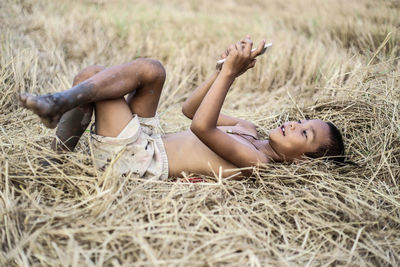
x,y
334,149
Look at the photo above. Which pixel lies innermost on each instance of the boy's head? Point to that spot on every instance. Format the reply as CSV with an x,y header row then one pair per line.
x,y
311,138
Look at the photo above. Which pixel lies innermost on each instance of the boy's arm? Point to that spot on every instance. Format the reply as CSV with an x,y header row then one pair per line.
x,y
204,124
193,102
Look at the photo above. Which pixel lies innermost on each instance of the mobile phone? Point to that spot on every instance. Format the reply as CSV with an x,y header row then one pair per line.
x,y
221,61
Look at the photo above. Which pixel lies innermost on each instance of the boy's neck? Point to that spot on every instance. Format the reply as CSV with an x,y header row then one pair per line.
x,y
270,152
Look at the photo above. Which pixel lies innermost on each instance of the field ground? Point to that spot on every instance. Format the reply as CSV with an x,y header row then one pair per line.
x,y
333,60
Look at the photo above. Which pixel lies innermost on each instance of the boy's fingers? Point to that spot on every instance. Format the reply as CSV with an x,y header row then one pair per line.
x,y
239,46
245,38
224,54
232,47
248,46
243,41
259,49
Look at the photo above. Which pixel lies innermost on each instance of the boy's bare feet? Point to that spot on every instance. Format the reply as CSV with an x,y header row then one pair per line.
x,y
45,106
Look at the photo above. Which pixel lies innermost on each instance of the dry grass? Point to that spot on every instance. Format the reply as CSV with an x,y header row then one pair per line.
x,y
335,60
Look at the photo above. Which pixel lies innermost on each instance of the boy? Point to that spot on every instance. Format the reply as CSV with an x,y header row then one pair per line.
x,y
126,137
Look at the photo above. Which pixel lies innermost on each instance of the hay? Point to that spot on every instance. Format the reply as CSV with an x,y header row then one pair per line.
x,y
335,60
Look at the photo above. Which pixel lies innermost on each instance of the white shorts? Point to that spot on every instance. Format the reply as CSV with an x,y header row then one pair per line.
x,y
138,149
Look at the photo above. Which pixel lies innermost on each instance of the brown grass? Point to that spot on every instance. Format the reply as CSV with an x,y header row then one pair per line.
x,y
334,60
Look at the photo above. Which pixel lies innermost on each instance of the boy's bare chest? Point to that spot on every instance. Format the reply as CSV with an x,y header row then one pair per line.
x,y
187,153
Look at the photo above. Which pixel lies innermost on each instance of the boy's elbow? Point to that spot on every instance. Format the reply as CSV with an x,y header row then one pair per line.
x,y
195,128
198,129
186,111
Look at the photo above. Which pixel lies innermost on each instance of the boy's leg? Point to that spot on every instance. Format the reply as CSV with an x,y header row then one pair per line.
x,y
113,115
74,122
112,83
144,100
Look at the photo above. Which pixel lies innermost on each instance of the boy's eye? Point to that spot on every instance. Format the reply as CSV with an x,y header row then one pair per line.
x,y
299,121
305,133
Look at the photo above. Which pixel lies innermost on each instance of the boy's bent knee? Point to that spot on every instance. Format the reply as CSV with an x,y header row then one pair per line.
x,y
152,70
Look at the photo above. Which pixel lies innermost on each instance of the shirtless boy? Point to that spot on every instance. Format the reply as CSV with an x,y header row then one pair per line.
x,y
215,142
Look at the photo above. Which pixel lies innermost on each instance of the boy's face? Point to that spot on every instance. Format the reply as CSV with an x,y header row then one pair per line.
x,y
293,139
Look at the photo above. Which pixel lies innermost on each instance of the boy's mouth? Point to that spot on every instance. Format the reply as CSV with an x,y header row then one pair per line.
x,y
283,130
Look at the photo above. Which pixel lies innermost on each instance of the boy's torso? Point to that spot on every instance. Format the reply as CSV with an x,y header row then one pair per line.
x,y
187,153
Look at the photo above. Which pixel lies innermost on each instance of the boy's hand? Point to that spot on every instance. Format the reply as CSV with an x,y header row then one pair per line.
x,y
224,54
239,57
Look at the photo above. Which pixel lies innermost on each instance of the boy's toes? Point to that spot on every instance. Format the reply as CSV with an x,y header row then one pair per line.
x,y
27,101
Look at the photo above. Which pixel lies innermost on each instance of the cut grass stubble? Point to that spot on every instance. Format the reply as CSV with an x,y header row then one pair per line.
x,y
333,60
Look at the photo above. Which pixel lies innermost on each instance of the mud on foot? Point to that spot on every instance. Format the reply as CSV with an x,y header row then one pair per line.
x,y
45,106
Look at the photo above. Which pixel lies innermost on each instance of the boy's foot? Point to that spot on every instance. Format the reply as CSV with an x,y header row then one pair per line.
x,y
45,106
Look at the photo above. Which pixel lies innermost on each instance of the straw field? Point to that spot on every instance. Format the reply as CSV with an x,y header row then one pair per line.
x,y
335,60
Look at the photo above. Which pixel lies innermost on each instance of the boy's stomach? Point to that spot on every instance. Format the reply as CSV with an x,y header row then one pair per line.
x,y
186,153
